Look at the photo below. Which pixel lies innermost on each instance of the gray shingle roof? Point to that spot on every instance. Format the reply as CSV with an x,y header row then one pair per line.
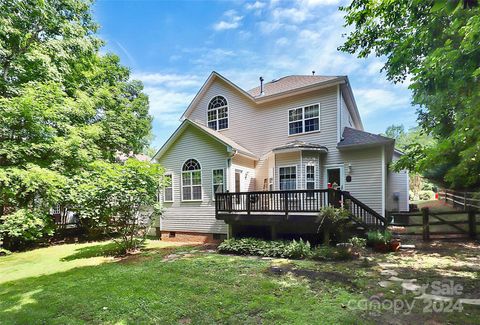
x,y
289,83
301,145
354,137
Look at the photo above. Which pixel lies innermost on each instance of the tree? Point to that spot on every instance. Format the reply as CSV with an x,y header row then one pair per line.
x,y
121,199
395,131
435,44
63,107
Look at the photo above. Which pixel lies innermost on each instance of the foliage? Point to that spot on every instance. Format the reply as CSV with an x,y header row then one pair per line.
x,y
358,242
118,198
435,45
251,246
24,225
4,252
63,105
333,221
328,253
426,195
379,237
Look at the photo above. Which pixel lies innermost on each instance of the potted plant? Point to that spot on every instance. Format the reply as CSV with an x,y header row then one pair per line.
x,y
395,244
379,240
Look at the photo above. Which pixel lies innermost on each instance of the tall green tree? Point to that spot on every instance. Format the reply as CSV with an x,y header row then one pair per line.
x,y
436,45
63,106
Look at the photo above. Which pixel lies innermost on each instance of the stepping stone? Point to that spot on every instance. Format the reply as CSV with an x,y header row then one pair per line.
x,y
427,296
470,301
267,258
389,272
385,284
394,278
410,286
406,247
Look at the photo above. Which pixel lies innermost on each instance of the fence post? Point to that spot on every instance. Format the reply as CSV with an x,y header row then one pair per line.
x,y
426,225
248,203
472,223
464,201
446,194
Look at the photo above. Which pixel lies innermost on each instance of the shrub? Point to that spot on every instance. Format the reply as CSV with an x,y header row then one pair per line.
x,y
358,242
328,253
24,227
426,195
251,246
333,221
379,237
4,252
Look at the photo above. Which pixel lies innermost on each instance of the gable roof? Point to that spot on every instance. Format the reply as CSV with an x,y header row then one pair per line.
x,y
289,83
356,138
229,143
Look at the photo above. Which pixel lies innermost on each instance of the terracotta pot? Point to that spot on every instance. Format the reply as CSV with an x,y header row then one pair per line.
x,y
395,245
380,247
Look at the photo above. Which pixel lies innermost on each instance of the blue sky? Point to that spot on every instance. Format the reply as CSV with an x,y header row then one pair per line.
x,y
172,46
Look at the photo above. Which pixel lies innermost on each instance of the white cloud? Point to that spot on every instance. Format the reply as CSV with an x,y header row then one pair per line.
x,y
282,41
295,15
255,5
231,21
373,99
169,80
313,3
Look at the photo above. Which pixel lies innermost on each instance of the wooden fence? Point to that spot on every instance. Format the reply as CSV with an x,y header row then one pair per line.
x,y
462,200
454,220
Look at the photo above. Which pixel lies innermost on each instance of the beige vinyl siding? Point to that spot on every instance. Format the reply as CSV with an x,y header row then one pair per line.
x,y
311,159
260,128
247,168
366,184
193,216
397,182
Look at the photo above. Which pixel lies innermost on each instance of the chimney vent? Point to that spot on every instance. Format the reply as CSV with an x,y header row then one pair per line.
x,y
313,72
261,87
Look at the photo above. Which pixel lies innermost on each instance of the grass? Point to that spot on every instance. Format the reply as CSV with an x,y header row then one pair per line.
x,y
72,284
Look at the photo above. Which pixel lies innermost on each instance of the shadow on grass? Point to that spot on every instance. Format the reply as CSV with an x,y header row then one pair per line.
x,y
109,249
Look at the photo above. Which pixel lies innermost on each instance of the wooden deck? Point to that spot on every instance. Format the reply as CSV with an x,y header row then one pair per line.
x,y
270,207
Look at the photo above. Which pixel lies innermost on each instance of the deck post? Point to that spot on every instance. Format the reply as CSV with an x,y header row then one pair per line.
x,y
426,224
472,223
285,201
248,203
273,232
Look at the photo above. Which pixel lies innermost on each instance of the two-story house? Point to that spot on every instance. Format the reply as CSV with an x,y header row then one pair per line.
x,y
297,135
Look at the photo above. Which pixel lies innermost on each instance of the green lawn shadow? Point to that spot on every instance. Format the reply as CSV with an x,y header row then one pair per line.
x,y
108,249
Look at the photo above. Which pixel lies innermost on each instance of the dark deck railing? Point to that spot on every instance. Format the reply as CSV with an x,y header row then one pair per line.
x,y
295,201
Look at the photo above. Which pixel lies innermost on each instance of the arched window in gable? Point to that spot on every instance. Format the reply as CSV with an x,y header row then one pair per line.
x,y
217,113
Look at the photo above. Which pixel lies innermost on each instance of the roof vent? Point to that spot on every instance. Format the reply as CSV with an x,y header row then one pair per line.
x,y
313,72
261,87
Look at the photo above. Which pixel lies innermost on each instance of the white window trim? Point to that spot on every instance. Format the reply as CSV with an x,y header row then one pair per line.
x,y
303,120
171,185
228,112
314,175
181,181
213,183
296,176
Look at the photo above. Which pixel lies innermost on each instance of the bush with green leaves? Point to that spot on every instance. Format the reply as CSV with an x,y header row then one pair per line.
x,y
379,237
119,198
274,248
24,226
333,221
358,242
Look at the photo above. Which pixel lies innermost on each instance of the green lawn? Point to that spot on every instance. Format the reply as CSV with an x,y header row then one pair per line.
x,y
69,284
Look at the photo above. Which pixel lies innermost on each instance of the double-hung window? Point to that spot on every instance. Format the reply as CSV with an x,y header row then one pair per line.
x,y
168,188
191,181
218,181
304,119
310,177
217,113
288,178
